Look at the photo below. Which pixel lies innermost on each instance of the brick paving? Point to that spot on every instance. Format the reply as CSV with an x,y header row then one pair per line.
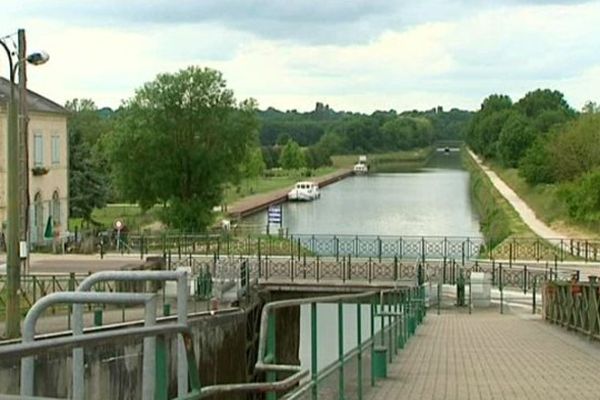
x,y
487,355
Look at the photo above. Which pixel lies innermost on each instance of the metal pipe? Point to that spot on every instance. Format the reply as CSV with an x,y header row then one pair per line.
x,y
27,363
135,276
20,350
149,352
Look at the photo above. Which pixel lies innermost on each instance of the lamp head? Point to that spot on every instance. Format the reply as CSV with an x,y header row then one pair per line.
x,y
38,58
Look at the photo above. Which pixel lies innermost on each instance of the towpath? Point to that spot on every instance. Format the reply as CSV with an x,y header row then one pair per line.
x,y
525,212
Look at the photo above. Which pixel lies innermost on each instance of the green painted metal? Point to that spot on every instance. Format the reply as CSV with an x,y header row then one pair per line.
x,y
380,362
359,345
341,350
98,317
314,351
372,326
162,373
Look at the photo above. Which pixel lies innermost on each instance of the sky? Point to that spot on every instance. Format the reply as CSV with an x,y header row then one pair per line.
x,y
355,55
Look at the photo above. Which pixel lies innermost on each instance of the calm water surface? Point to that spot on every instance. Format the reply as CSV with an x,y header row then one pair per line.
x,y
431,202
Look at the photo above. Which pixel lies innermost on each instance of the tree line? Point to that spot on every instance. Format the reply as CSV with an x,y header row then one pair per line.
x,y
549,143
182,138
323,132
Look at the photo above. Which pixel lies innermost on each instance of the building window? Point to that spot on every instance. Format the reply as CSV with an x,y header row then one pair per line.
x,y
56,208
55,149
38,150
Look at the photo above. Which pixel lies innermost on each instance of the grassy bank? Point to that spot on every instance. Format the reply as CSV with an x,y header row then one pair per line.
x,y
398,161
276,179
546,202
499,221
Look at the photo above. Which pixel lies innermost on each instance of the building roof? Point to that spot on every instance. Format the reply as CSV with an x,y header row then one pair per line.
x,y
35,102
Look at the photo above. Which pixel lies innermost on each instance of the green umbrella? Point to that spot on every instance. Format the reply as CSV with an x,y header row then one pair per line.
x,y
49,231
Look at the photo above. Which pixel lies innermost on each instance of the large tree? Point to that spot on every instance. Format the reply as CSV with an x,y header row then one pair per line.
x,y
178,141
88,179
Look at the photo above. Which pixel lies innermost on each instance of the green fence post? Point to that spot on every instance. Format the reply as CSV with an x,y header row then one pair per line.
x,y
533,302
439,297
500,285
98,317
71,289
341,350
161,379
399,320
392,342
359,342
313,350
271,355
372,326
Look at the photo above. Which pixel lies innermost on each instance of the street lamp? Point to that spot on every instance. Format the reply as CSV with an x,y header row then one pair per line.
x,y
13,263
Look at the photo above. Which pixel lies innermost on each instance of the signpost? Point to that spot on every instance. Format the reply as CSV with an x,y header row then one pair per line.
x,y
274,216
118,224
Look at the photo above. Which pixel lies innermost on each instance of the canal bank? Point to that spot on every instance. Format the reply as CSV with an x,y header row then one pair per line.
x,y
253,204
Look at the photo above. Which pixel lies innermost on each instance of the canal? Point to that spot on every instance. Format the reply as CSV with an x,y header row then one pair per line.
x,y
433,201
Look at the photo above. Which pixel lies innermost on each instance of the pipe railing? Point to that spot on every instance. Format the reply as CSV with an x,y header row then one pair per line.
x,y
267,362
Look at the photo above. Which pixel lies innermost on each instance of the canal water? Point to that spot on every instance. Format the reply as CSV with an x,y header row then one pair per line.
x,y
433,201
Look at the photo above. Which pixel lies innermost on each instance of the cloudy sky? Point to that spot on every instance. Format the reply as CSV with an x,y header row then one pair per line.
x,y
356,55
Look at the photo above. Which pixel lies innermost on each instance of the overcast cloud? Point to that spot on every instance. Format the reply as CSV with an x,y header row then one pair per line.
x,y
355,55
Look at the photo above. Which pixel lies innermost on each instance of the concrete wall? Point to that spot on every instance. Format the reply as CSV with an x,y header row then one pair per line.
x,y
115,371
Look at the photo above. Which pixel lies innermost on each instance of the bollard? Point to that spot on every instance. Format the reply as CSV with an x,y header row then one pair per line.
x,y
380,362
98,317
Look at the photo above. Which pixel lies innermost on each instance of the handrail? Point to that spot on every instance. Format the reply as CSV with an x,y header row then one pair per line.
x,y
27,363
179,276
262,363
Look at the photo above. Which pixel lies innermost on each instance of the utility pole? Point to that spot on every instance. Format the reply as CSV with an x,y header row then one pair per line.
x,y
13,262
23,144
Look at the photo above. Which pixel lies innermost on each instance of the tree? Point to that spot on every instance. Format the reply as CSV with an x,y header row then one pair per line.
x,y
255,164
292,156
484,130
574,149
590,107
178,141
515,138
583,197
89,185
536,165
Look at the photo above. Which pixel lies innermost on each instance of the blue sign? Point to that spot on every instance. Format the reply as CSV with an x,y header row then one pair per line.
x,y
275,215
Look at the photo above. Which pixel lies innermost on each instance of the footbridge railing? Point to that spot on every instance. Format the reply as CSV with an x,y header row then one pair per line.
x,y
461,248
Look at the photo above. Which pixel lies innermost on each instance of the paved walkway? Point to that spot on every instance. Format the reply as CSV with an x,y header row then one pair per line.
x,y
527,214
492,356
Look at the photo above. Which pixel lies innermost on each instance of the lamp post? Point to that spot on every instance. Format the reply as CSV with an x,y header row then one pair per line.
x,y
13,264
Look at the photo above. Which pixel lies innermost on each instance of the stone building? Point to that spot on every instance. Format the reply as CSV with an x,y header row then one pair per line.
x,y
48,164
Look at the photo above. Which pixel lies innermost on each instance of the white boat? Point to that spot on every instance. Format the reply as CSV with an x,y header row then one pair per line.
x,y
304,191
360,169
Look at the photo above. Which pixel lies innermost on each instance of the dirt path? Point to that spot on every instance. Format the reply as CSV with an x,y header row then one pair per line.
x,y
527,214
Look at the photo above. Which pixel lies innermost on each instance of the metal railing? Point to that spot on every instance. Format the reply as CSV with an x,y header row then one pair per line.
x,y
574,305
461,248
399,311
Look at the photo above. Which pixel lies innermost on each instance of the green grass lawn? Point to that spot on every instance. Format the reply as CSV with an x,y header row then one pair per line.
x,y
281,179
130,214
416,155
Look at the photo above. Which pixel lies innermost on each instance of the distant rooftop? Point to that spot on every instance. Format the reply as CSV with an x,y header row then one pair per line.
x,y
35,102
